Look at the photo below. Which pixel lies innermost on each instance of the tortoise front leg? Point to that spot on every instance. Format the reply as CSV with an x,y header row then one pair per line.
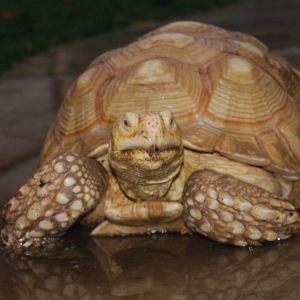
x,y
52,200
231,211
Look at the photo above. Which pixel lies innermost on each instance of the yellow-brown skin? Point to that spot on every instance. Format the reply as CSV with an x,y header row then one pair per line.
x,y
156,188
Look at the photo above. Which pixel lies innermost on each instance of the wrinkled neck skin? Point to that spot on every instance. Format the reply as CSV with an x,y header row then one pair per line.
x,y
146,153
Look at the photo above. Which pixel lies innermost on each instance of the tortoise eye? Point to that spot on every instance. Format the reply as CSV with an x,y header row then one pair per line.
x,y
168,119
129,121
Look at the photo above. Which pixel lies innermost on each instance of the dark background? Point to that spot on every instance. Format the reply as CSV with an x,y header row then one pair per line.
x,y
28,27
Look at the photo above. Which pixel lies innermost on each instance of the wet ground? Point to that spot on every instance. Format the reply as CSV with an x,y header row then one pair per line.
x,y
155,267
150,267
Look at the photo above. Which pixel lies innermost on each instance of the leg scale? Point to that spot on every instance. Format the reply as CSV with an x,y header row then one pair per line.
x,y
52,200
231,211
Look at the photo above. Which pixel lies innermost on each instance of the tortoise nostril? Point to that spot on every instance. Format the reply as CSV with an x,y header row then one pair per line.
x,y
153,150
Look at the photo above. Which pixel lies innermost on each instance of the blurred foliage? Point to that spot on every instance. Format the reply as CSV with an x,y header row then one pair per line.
x,y
30,26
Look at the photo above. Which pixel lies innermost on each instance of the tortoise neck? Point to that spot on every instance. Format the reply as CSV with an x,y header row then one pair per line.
x,y
142,181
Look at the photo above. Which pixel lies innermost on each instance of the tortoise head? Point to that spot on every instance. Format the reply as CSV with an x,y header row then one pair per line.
x,y
146,153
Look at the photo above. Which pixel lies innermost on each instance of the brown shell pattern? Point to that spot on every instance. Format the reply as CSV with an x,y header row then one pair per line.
x,y
228,91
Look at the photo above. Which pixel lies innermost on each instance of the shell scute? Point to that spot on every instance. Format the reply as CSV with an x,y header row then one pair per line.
x,y
200,136
282,161
242,147
289,127
77,115
153,85
243,95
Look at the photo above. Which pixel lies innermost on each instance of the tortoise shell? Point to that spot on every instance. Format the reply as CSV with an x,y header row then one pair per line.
x,y
229,93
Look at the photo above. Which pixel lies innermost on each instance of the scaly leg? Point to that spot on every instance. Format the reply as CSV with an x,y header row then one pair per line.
x,y
231,211
52,200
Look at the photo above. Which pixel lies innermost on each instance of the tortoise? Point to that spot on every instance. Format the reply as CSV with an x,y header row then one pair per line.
x,y
190,128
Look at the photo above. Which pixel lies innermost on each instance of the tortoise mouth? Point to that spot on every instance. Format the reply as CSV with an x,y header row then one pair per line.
x,y
148,159
151,154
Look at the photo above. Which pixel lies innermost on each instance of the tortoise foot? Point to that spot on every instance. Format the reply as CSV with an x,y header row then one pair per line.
x,y
61,191
231,211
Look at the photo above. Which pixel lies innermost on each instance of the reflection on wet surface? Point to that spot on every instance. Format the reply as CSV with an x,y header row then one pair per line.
x,y
154,267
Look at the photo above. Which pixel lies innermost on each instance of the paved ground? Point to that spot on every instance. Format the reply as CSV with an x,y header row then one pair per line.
x,y
30,93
